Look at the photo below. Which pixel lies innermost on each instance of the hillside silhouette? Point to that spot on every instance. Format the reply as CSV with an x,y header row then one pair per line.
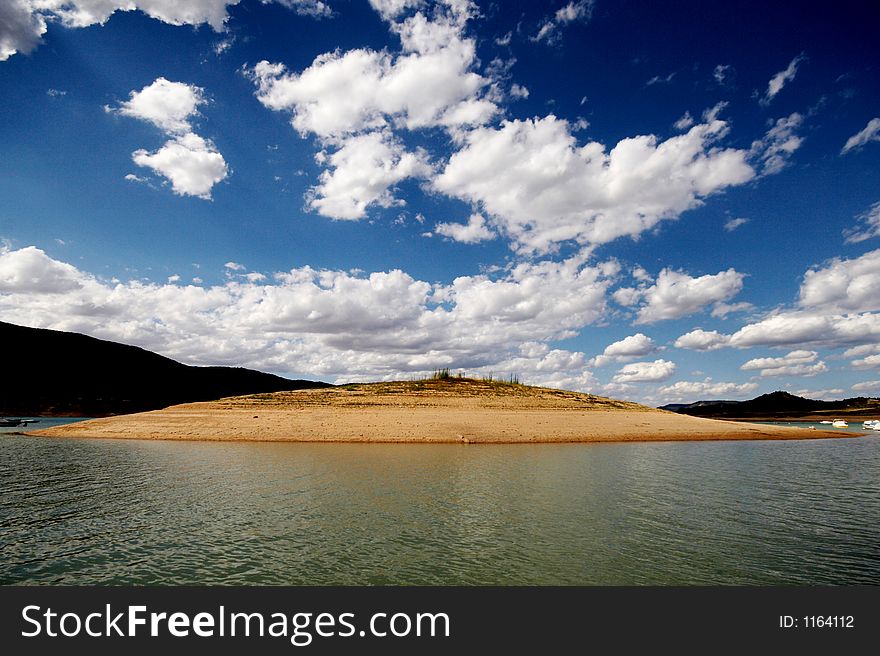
x,y
778,405
48,372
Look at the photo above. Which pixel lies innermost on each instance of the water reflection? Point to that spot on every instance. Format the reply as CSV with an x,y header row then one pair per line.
x,y
139,512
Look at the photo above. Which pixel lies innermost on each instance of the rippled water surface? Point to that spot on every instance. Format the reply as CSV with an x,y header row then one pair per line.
x,y
140,512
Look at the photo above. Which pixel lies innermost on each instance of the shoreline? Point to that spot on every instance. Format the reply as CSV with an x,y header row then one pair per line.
x,y
431,412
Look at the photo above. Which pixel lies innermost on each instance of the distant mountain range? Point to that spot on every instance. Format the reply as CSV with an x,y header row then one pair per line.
x,y
780,405
47,372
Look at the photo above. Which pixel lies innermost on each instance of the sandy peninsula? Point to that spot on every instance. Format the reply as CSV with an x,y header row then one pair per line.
x,y
434,411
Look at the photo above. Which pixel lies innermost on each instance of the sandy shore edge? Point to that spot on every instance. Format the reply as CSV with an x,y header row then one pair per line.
x,y
215,421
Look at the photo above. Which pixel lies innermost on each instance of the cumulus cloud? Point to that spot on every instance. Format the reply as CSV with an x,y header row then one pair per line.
x,y
795,363
191,163
391,9
472,232
676,294
799,327
837,305
325,323
702,340
871,132
578,11
30,271
634,345
868,362
775,149
823,394
363,172
167,105
645,372
843,285
705,390
542,188
778,81
20,28
869,387
862,350
340,94
23,22
630,347
870,226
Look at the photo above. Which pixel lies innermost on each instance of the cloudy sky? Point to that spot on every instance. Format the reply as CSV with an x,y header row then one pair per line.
x,y
655,202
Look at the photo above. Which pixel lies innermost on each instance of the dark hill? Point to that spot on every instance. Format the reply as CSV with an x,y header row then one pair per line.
x,y
779,405
47,372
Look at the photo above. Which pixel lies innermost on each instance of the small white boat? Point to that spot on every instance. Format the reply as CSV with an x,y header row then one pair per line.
x,y
871,424
825,421
839,423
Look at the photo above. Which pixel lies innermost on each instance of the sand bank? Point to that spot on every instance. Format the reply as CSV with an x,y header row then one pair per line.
x,y
461,411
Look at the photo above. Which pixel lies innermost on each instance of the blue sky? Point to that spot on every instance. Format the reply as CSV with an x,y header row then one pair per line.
x,y
660,203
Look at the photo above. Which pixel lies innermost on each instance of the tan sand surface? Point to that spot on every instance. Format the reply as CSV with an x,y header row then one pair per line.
x,y
455,410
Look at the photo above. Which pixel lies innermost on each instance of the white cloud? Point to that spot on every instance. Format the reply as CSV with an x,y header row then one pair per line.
x,y
868,362
702,340
794,357
795,363
645,372
630,347
843,285
235,266
721,73
23,22
391,9
871,386
472,232
860,351
30,271
325,323
705,390
543,189
776,147
362,89
837,306
191,163
20,28
313,8
809,327
579,10
870,226
778,81
871,132
167,105
721,310
733,224
684,122
363,172
823,394
518,91
676,294
657,79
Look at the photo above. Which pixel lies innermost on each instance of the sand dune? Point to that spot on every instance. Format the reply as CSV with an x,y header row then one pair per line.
x,y
436,411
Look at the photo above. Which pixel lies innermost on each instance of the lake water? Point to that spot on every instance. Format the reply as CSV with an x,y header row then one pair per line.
x,y
153,512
